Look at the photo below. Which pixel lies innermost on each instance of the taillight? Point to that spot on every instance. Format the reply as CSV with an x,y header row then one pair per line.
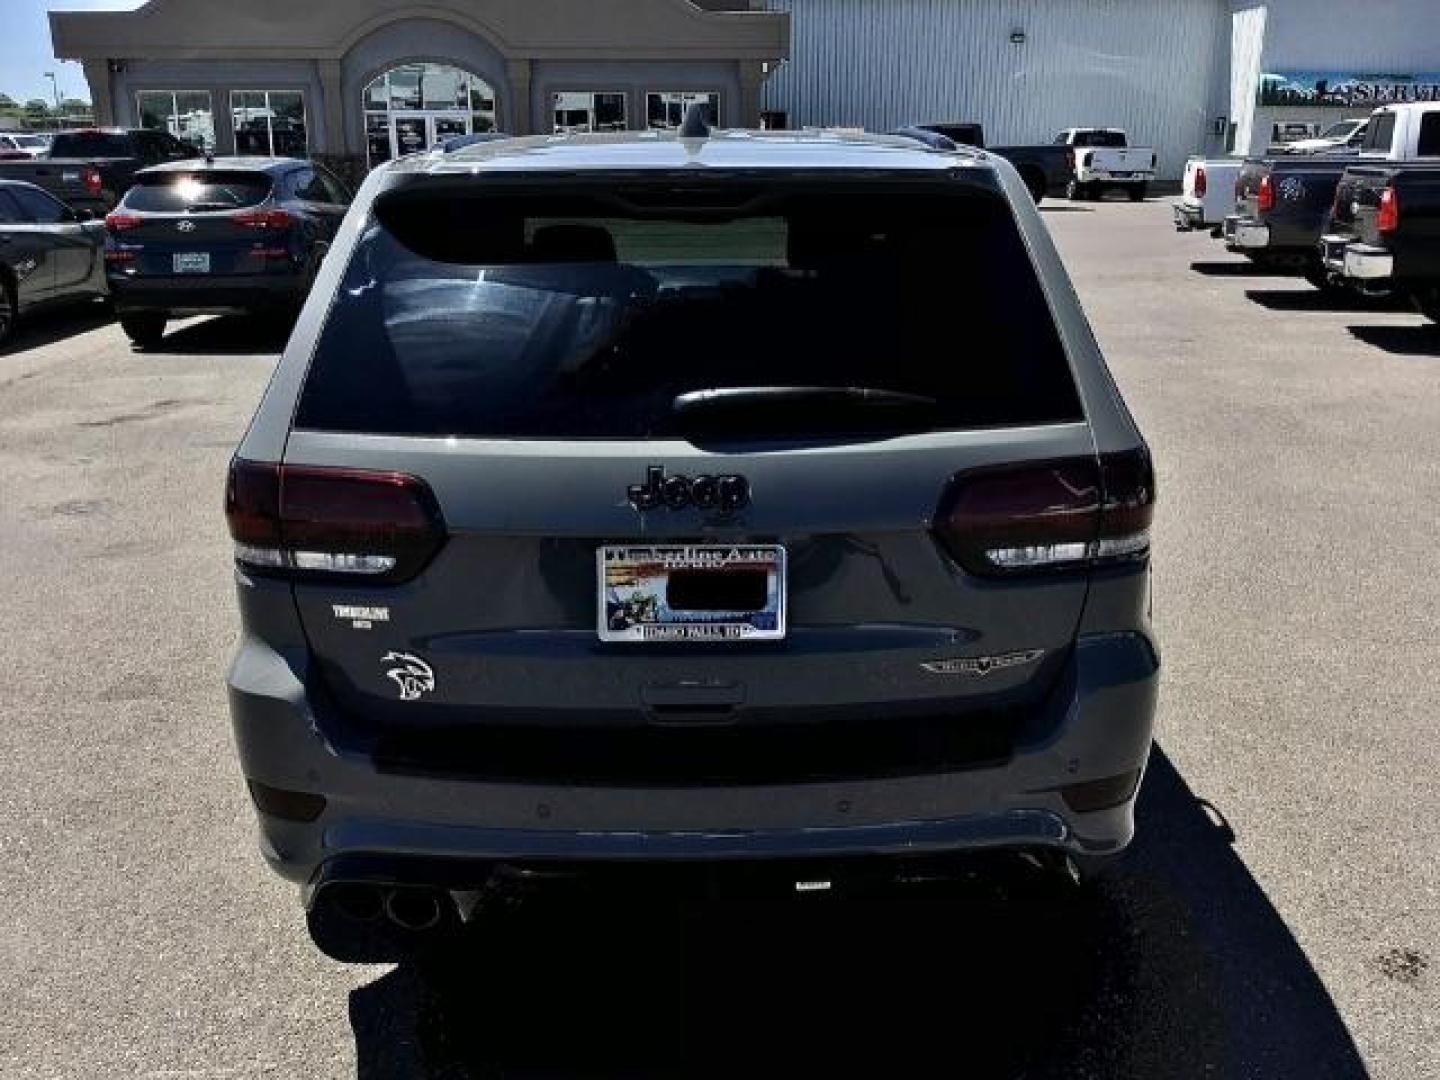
x,y
1202,182
264,219
301,520
1061,515
1388,219
94,182
1070,158
1267,193
118,222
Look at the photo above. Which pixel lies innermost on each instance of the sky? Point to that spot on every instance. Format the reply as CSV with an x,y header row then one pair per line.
x,y
25,49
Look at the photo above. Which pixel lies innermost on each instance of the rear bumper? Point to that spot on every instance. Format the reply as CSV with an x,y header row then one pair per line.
x,y
1332,252
1189,216
1103,732
1363,262
206,295
1243,234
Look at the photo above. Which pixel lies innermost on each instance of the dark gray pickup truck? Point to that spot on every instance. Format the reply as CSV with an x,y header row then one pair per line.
x,y
92,169
1384,233
1281,205
1046,169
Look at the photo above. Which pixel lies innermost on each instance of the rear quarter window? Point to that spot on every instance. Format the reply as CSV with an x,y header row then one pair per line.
x,y
587,315
1429,144
178,192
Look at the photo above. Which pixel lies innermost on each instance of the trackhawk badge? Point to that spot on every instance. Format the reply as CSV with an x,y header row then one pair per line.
x,y
412,675
977,667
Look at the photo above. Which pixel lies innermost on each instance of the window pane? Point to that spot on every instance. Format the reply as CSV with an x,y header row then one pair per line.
x,y
666,111
444,88
405,88
377,95
287,124
175,193
377,137
252,122
156,110
1429,145
194,119
39,207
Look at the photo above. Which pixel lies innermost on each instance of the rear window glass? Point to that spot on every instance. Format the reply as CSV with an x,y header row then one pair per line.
x,y
588,316
1111,139
1380,133
1429,144
92,144
175,193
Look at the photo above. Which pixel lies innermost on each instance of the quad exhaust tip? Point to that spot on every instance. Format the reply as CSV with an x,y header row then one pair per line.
x,y
415,910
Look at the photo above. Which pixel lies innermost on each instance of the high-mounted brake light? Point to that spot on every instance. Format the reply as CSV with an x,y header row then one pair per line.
x,y
1266,199
122,222
301,520
1202,182
1388,219
1060,515
264,219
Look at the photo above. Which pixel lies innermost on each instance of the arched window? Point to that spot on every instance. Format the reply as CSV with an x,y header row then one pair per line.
x,y
412,107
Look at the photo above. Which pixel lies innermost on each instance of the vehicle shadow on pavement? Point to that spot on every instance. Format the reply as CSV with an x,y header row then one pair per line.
x,y
1179,967
229,335
1401,340
1064,208
56,325
1308,298
1239,268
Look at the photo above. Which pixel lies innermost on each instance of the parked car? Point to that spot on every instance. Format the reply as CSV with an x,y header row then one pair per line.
x,y
1207,194
550,558
1283,204
49,254
1384,234
1338,136
1105,160
91,169
1045,169
19,146
219,235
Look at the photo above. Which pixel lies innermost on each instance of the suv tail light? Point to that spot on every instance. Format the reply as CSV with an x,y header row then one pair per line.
x,y
1266,201
120,221
264,219
1202,182
1070,158
1388,219
94,182
1061,515
302,521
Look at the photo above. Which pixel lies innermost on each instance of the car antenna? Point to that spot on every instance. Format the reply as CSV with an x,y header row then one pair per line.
x,y
697,123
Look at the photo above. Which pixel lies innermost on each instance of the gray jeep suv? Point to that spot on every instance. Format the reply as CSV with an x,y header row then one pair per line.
x,y
756,501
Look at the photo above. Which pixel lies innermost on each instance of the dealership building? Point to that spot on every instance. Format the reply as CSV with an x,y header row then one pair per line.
x,y
369,80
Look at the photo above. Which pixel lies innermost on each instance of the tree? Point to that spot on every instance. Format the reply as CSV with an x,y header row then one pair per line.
x,y
7,102
37,107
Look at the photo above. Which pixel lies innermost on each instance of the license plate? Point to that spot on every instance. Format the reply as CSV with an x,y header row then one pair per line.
x,y
692,593
196,263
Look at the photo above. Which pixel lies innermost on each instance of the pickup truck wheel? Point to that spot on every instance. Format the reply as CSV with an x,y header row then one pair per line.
x,y
1427,302
1034,183
1138,192
7,309
1075,191
146,329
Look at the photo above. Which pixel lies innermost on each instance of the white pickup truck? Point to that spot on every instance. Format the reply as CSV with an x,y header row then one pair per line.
x,y
1207,194
1105,159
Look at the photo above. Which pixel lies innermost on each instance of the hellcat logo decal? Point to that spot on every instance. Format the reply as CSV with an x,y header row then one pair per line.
x,y
977,667
412,675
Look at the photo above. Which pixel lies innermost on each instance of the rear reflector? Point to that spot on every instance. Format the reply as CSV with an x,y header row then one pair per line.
x,y
301,520
1093,795
122,222
264,219
1266,199
286,805
1388,220
1202,182
1060,515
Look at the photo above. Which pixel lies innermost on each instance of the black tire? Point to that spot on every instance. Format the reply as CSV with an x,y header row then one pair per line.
x,y
1034,183
1075,191
1138,192
1427,302
145,329
8,313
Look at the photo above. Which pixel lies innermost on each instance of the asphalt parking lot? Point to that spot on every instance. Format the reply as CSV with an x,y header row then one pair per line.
x,y
1280,917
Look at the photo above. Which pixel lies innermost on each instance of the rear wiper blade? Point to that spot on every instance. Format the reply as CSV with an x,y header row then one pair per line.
x,y
743,398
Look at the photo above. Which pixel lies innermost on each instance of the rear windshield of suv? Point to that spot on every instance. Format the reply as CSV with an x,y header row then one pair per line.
x,y
177,192
587,316
93,144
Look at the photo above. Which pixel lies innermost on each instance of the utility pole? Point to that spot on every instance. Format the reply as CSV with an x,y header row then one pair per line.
x,y
55,85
